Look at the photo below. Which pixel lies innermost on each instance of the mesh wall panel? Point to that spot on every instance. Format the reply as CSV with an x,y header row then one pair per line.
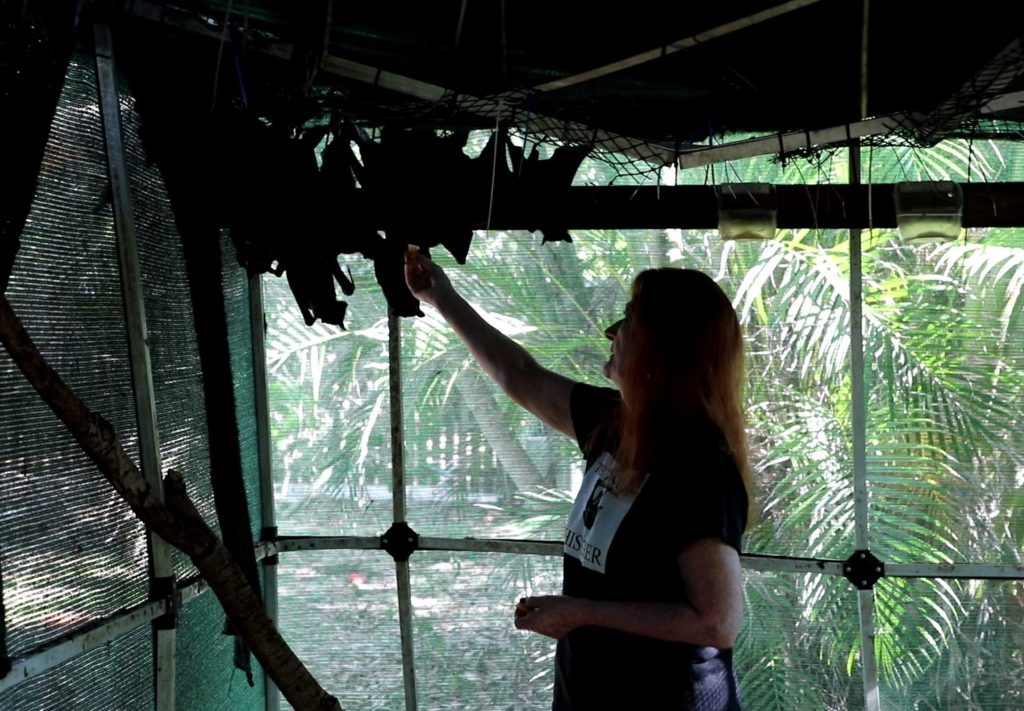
x,y
468,653
971,659
962,160
799,646
236,303
115,677
332,452
174,354
945,434
206,679
477,465
943,333
181,416
339,612
73,551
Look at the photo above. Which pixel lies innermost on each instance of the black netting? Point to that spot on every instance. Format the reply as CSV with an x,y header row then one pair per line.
x,y
72,550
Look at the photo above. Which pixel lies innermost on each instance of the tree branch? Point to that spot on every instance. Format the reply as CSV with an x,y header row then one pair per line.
x,y
178,522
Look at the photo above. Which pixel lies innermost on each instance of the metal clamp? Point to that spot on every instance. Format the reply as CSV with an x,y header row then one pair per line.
x,y
166,588
400,541
268,534
863,569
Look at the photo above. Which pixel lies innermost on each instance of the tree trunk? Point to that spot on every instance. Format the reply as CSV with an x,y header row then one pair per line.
x,y
514,458
178,522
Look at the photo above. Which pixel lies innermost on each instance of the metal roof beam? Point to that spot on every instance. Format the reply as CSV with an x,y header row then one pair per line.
x,y
677,46
489,108
981,88
829,206
782,143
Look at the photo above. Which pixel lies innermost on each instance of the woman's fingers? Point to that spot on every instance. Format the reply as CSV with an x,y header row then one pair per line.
x,y
417,272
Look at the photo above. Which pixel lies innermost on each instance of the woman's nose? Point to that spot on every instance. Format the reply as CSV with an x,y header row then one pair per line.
x,y
610,332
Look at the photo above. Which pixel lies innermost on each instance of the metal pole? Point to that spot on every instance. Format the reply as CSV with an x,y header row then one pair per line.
x,y
858,413
259,369
161,567
865,598
398,497
859,427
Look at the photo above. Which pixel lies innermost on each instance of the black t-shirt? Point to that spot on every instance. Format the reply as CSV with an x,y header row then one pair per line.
x,y
626,548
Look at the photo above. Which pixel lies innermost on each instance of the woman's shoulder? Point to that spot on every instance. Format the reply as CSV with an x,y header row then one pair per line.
x,y
591,408
701,485
587,395
696,459
694,436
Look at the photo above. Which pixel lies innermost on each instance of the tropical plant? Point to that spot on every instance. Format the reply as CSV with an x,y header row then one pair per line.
x,y
943,383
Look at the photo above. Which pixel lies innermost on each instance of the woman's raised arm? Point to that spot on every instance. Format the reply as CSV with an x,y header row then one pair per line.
x,y
539,390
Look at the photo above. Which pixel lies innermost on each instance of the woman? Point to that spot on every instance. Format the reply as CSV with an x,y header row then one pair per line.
x,y
652,594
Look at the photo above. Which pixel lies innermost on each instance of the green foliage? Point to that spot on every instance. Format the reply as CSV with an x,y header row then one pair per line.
x,y
943,383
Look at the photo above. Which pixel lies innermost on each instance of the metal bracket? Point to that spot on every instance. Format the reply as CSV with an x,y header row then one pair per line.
x,y
268,534
166,588
863,569
400,541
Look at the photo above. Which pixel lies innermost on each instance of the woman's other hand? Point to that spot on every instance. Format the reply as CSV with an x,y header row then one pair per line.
x,y
426,280
551,615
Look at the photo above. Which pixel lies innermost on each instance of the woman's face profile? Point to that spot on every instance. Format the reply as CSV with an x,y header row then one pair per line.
x,y
619,334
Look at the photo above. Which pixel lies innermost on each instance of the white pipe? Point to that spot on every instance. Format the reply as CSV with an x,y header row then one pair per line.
x,y
677,46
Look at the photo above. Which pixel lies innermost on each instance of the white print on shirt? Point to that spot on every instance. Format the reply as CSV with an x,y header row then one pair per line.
x,y
596,515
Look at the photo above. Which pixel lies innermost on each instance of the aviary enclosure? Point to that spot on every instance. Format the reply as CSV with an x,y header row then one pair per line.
x,y
202,244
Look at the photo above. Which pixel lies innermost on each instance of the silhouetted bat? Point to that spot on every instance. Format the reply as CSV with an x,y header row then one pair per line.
x,y
545,184
311,279
432,214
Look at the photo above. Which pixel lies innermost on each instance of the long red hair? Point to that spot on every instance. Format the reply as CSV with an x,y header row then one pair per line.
x,y
684,363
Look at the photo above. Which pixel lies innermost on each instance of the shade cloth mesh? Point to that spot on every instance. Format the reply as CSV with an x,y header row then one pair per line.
x,y
206,680
942,468
117,675
72,552
943,331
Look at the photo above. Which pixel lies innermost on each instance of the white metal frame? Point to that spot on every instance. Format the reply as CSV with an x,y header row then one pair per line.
x,y
259,369
164,644
76,643
865,598
405,613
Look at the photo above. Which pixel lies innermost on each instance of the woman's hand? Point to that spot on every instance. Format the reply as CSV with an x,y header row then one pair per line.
x,y
426,280
711,617
551,615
